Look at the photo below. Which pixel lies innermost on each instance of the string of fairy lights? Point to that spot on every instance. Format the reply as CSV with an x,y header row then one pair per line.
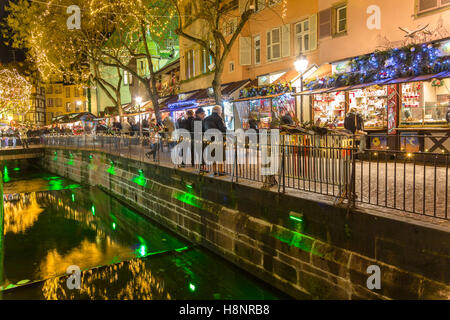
x,y
106,12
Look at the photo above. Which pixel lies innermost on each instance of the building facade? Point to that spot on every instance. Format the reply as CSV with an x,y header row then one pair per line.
x,y
64,98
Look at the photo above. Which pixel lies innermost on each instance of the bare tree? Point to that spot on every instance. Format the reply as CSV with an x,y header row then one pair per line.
x,y
211,15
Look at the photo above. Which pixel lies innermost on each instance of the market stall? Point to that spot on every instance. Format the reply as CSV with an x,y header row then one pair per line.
x,y
264,103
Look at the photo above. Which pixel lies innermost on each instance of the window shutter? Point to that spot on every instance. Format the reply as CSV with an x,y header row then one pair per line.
x,y
269,47
276,43
245,45
313,32
425,5
325,23
286,40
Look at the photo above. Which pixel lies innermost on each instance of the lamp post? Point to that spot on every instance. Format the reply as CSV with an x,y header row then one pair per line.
x,y
301,64
139,101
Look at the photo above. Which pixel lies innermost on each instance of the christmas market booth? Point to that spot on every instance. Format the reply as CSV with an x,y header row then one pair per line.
x,y
178,105
263,103
78,123
402,94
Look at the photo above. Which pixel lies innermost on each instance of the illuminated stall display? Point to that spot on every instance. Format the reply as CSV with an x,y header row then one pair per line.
x,y
329,108
372,103
264,109
425,103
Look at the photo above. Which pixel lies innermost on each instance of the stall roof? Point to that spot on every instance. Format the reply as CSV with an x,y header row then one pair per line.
x,y
202,94
426,77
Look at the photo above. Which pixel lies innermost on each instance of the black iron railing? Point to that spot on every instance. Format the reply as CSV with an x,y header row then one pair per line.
x,y
330,165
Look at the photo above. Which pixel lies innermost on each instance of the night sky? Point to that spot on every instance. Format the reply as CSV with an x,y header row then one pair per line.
x,y
6,54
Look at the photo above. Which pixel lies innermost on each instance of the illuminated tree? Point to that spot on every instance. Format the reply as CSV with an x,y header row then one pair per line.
x,y
15,92
113,33
214,38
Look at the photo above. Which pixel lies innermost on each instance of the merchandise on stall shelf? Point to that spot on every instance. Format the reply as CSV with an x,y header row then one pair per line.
x,y
423,103
329,107
264,109
371,102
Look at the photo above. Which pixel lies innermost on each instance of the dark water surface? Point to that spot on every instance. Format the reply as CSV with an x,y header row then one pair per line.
x,y
52,223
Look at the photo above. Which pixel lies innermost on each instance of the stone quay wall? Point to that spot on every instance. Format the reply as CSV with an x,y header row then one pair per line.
x,y
305,247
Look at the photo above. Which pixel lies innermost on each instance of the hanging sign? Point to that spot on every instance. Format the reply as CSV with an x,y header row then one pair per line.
x,y
392,109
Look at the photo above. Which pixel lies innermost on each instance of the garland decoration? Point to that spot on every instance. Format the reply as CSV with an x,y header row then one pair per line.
x,y
266,90
409,61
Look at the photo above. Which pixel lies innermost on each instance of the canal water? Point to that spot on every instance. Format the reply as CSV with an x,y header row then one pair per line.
x,y
51,223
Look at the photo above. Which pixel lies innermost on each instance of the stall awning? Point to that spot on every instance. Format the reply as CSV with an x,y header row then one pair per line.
x,y
203,97
445,74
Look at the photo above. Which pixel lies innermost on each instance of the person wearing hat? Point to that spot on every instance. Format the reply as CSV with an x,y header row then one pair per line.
x,y
215,121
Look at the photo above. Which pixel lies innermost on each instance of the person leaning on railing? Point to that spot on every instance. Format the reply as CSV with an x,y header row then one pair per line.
x,y
354,123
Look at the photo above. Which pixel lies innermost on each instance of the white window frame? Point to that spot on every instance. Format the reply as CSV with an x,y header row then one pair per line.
x,y
68,107
256,48
338,9
300,37
270,44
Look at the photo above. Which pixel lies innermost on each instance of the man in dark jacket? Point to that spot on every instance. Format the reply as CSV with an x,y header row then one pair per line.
x,y
354,123
215,121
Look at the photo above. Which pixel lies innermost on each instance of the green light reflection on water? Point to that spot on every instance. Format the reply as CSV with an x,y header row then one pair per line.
x,y
70,162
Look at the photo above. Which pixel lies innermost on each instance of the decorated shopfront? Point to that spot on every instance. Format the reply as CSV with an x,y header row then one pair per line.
x,y
263,103
178,105
402,92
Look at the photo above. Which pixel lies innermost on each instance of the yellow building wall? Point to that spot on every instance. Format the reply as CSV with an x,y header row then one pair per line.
x,y
57,93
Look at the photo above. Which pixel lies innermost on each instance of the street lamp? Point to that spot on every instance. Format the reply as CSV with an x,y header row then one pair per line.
x,y
79,104
139,101
301,64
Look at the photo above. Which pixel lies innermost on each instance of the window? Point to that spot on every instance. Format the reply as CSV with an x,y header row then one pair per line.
x,y
206,61
85,92
302,36
231,67
257,46
76,92
58,102
306,35
325,23
42,90
341,19
190,64
58,89
50,102
68,92
67,106
49,89
127,78
429,5
273,44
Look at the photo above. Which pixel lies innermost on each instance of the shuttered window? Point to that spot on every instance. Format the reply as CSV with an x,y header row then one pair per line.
x,y
189,64
325,23
429,5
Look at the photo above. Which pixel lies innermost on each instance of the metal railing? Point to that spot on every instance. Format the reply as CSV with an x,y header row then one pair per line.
x,y
331,165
